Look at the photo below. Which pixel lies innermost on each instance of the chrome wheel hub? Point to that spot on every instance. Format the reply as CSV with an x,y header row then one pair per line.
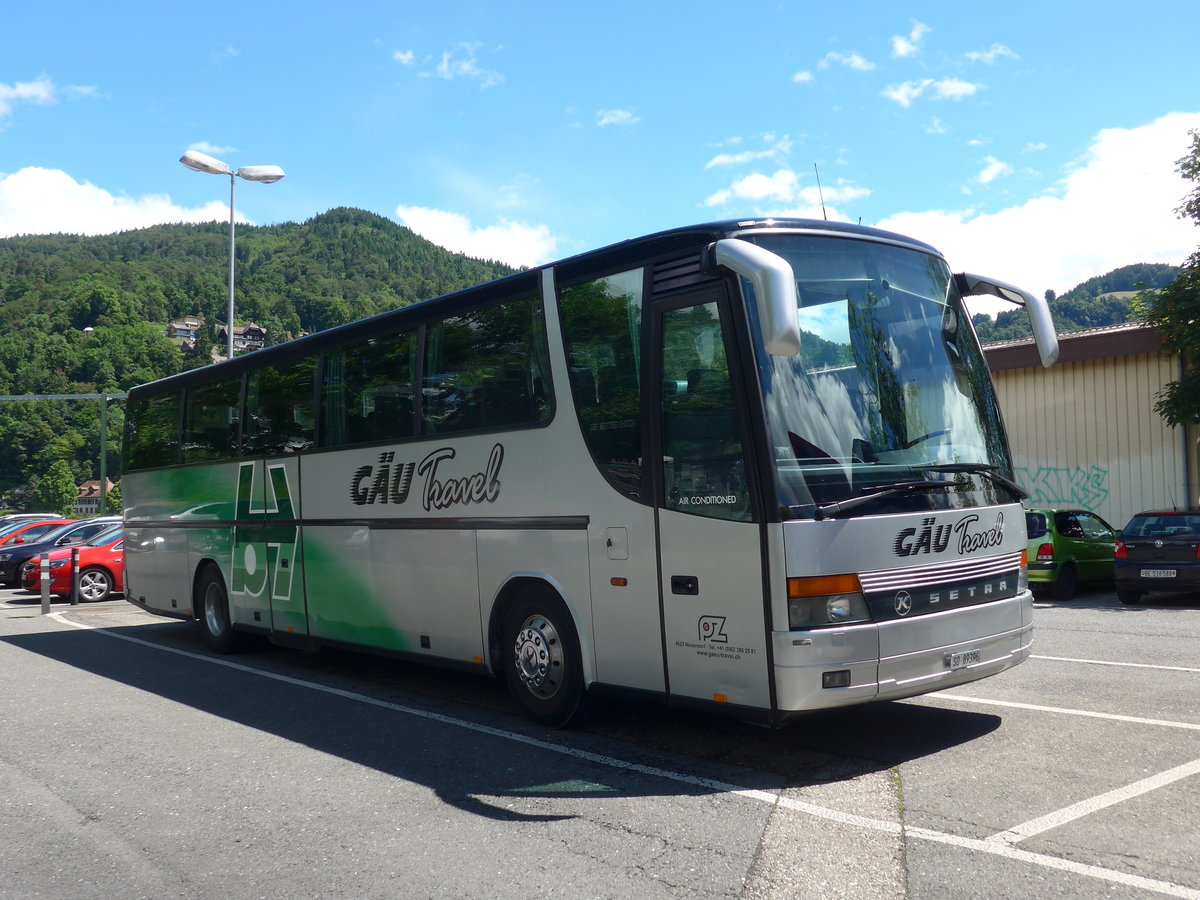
x,y
539,657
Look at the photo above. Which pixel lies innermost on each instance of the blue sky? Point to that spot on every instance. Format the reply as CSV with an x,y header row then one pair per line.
x,y
1034,142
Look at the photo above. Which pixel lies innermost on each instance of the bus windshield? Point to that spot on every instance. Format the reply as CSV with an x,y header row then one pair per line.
x,y
889,396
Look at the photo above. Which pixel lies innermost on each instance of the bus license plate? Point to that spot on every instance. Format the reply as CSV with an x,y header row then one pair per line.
x,y
962,659
1158,573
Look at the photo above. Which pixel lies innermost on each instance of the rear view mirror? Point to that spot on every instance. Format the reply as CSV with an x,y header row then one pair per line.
x,y
1036,307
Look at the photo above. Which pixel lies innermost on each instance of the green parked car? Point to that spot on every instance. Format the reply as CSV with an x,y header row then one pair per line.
x,y
1068,547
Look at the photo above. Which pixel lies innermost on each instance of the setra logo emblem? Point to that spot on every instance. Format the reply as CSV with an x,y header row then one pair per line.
x,y
903,603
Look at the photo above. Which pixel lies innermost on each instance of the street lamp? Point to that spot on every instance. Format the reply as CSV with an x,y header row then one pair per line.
x,y
202,162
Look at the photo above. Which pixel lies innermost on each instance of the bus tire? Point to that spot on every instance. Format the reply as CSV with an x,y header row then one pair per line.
x,y
543,667
212,611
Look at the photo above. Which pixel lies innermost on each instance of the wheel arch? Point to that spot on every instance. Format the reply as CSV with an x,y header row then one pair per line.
x,y
503,600
202,566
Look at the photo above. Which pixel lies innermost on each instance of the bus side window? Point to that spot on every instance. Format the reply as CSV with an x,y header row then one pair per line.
x,y
152,432
367,393
279,408
602,324
704,469
211,415
486,369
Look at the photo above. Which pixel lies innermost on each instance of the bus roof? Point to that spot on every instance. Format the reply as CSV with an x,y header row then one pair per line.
x,y
657,246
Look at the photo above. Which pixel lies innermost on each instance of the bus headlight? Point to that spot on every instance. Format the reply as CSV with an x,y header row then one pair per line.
x,y
1023,573
825,600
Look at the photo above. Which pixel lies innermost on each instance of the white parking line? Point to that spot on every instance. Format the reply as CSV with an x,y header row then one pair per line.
x,y
989,846
1126,665
1095,804
1084,713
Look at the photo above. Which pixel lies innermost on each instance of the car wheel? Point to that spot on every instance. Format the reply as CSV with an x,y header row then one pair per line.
x,y
540,656
1065,584
95,584
211,607
1130,597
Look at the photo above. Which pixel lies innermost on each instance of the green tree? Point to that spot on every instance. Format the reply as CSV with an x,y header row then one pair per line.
x,y
56,491
1175,309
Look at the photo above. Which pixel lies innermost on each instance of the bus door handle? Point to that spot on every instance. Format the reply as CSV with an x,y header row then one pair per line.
x,y
685,584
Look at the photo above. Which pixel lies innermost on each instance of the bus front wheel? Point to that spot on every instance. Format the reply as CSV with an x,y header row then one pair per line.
x,y
542,663
212,609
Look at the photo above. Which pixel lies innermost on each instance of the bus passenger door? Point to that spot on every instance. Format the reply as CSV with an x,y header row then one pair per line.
x,y
265,588
710,549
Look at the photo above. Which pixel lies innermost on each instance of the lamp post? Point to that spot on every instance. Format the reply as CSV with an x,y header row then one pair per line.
x,y
202,162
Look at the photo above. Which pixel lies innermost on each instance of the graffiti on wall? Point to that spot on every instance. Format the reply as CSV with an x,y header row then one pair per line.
x,y
1065,486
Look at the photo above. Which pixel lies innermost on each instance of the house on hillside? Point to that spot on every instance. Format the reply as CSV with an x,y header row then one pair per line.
x,y
245,337
185,328
87,497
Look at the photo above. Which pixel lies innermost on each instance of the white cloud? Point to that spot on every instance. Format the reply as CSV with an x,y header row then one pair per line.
x,y
990,55
515,243
461,62
620,117
904,46
404,57
803,77
1032,147
784,194
49,201
779,148
849,60
993,169
41,90
954,89
936,126
1116,207
942,89
212,149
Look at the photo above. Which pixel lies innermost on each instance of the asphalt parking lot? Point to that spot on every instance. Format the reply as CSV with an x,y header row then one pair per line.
x,y
1075,774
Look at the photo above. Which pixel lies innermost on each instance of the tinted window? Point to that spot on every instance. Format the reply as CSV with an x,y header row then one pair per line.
x,y
279,404
1162,526
211,414
486,369
367,392
152,432
602,325
703,467
1035,525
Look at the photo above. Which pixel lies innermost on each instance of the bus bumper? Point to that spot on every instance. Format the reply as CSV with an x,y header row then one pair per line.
x,y
825,668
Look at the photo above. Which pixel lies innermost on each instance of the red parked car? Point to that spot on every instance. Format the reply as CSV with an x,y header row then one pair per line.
x,y
27,531
101,568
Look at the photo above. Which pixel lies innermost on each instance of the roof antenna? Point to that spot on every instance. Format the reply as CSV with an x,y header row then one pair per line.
x,y
820,192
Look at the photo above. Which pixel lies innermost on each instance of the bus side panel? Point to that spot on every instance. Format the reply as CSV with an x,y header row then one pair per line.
x,y
165,511
712,588
342,605
426,581
558,557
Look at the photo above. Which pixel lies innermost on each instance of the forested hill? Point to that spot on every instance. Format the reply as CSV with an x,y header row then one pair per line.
x,y
88,314
1103,300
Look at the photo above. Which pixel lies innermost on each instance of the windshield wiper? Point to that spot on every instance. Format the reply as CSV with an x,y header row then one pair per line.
x,y
989,472
886,490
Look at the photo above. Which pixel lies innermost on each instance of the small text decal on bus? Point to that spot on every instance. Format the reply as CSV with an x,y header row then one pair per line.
x,y
390,482
931,538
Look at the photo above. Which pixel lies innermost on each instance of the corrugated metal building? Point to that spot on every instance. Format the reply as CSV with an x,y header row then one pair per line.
x,y
1084,433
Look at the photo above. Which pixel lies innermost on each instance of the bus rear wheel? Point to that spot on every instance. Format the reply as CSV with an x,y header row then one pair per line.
x,y
211,605
542,663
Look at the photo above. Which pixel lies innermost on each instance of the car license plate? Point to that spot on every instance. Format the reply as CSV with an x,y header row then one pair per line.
x,y
962,659
1158,573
